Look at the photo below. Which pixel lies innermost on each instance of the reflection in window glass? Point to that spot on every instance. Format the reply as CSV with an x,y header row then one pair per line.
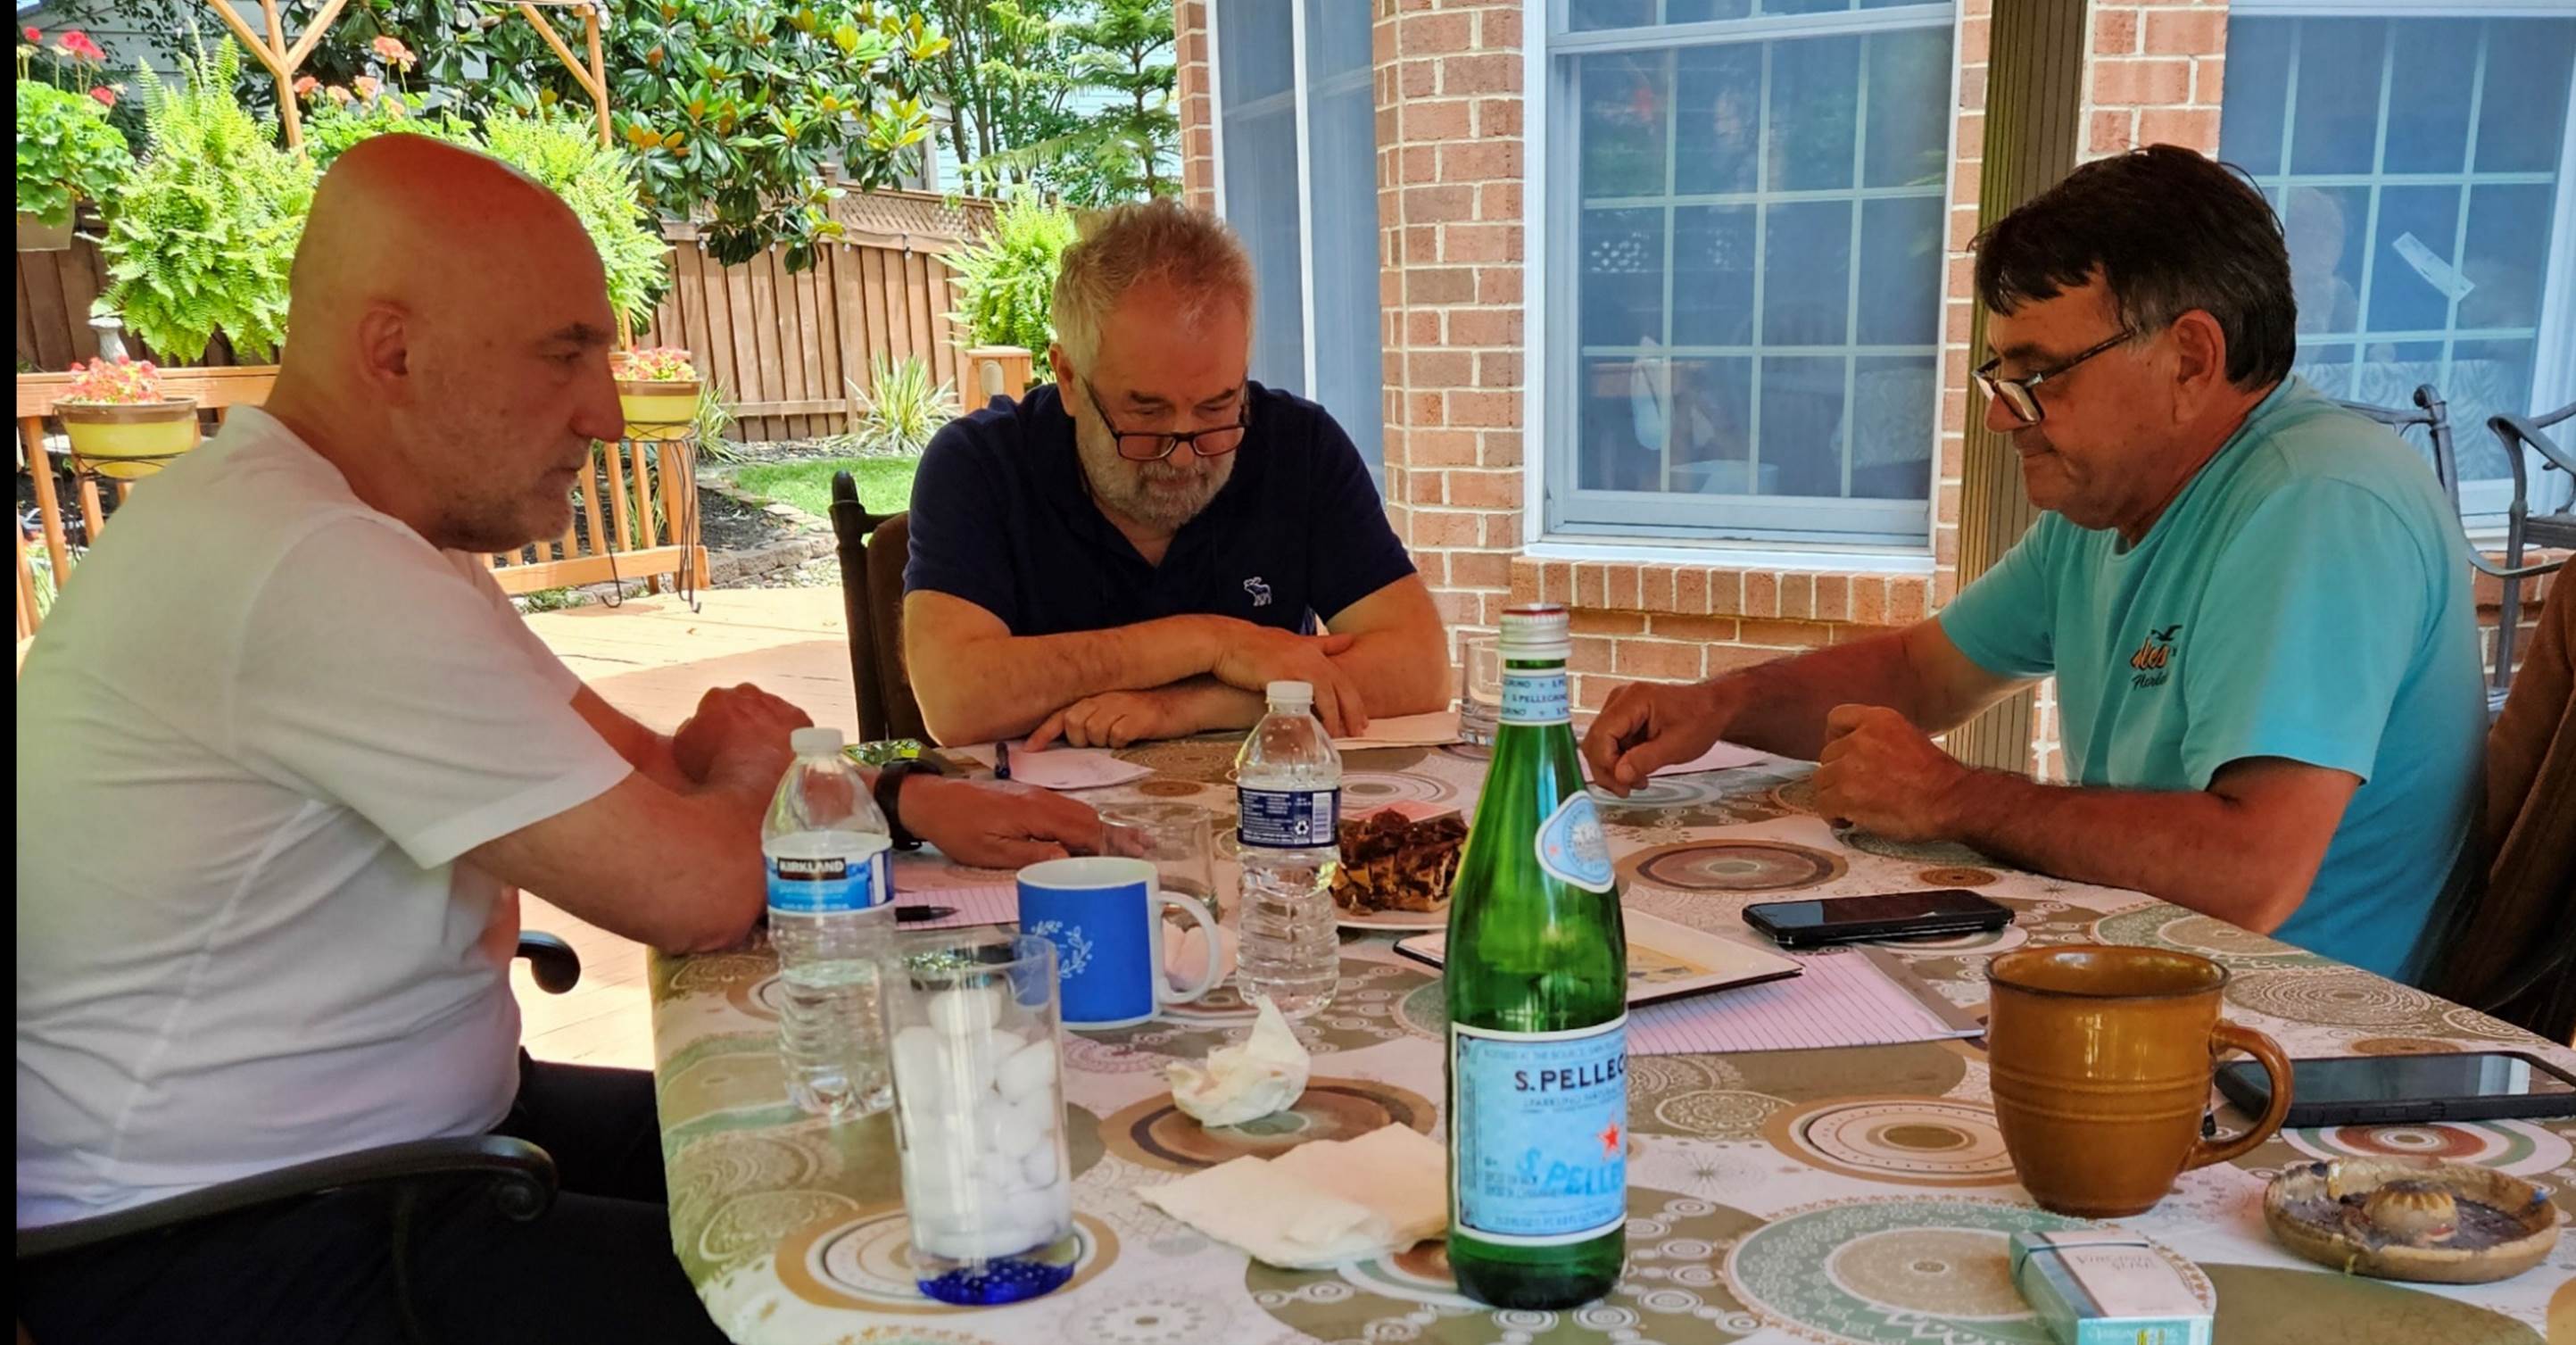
x,y
1755,251
2415,163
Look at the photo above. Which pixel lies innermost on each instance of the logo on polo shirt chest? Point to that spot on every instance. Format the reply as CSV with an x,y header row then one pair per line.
x,y
2154,657
1259,589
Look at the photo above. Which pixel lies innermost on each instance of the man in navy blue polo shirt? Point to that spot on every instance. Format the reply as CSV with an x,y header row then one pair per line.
x,y
1137,550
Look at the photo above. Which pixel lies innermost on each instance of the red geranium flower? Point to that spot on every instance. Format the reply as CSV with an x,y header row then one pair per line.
x,y
105,95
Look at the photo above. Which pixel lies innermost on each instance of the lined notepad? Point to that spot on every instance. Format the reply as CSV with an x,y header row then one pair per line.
x,y
1844,997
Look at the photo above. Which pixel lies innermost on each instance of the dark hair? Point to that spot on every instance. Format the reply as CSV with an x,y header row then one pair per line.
x,y
2170,231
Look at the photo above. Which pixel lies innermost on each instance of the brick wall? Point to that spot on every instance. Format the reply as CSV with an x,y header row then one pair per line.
x,y
1192,61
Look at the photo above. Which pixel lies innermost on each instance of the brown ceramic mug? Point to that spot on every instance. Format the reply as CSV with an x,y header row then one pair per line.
x,y
2101,1060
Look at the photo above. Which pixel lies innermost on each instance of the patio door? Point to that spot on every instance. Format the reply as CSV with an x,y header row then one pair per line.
x,y
1297,177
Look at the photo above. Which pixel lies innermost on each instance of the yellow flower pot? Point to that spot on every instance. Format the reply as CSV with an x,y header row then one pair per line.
x,y
658,411
34,235
127,442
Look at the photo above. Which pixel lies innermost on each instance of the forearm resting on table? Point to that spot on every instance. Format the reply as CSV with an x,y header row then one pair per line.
x,y
979,688
1915,672
1392,681
2237,858
680,871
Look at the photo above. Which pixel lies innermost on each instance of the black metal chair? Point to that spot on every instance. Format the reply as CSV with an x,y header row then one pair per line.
x,y
2524,529
522,1175
873,548
2433,415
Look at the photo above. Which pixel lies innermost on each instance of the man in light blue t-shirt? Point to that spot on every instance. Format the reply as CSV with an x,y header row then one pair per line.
x,y
2254,601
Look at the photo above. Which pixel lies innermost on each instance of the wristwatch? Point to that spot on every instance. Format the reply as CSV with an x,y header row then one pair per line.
x,y
889,792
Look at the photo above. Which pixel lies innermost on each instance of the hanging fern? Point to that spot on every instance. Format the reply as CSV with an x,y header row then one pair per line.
x,y
598,182
205,230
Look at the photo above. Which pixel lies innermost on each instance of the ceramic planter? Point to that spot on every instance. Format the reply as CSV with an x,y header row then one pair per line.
x,y
658,411
34,235
126,442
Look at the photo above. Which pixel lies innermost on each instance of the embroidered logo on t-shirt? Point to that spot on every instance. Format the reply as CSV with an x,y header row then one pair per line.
x,y
1259,589
2154,657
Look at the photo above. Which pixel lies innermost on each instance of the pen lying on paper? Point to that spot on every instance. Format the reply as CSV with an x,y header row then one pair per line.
x,y
1001,761
906,915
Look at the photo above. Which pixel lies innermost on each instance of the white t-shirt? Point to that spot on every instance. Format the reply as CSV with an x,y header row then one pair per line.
x,y
253,740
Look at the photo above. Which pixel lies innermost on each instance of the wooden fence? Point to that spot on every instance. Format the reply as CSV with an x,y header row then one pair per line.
x,y
787,352
637,519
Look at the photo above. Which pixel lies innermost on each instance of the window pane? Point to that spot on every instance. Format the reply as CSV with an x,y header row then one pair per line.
x,y
1700,11
1620,424
1713,275
1622,285
2249,122
1337,39
1815,101
1804,6
1806,273
2488,378
1900,272
1802,425
2336,129
1717,146
2416,259
1589,15
2324,227
1258,116
2431,133
1341,108
2524,109
1624,99
1908,72
1712,427
1893,398
2507,256
1253,50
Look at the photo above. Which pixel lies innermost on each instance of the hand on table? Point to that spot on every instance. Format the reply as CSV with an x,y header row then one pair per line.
x,y
1256,656
995,824
1114,719
738,737
1878,771
1648,725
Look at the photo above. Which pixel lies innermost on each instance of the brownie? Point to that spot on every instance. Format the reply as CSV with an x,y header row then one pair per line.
x,y
1392,863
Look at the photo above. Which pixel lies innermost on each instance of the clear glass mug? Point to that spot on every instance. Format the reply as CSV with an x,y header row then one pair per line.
x,y
1178,840
1480,689
972,1016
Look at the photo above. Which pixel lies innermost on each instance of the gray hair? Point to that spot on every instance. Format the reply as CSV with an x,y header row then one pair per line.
x,y
1126,245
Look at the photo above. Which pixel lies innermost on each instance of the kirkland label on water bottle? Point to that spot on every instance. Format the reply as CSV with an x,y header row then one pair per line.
x,y
1535,697
1573,848
831,885
1540,1133
1287,819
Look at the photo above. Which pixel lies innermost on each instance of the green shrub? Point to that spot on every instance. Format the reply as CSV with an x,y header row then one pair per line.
x,y
332,126
205,227
1007,279
902,408
598,182
67,152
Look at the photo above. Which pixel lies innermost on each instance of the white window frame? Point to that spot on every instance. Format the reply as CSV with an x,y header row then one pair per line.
x,y
1748,524
2553,370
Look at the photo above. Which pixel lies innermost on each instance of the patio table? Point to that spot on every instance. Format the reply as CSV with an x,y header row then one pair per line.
x,y
1857,1194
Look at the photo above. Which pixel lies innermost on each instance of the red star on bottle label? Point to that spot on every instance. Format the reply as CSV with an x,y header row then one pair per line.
x,y
1610,1140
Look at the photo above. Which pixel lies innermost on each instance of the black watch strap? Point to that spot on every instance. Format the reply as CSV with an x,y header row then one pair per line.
x,y
889,793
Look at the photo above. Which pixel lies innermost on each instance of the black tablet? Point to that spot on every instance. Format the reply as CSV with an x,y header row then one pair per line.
x,y
2396,1089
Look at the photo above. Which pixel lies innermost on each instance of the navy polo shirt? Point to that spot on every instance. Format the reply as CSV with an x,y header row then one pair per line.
x,y
1001,518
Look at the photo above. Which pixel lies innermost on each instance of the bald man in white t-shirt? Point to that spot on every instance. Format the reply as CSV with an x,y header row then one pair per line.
x,y
284,754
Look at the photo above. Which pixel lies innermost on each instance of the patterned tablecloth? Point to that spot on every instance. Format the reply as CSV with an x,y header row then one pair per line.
x,y
1859,1194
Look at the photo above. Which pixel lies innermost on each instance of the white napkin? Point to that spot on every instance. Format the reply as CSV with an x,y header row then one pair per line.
x,y
1264,1074
1321,1203
1437,728
1070,768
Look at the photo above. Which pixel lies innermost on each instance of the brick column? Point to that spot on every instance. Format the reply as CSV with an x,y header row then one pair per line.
x,y
2156,76
1194,62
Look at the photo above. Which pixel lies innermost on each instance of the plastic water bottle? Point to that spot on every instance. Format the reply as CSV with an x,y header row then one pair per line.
x,y
1288,788
831,913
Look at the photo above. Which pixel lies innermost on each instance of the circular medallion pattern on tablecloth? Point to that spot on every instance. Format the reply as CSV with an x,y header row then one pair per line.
x,y
1674,791
1170,789
1898,1272
2472,1023
1368,791
720,973
2518,1147
2159,925
1210,761
1944,854
1797,796
1732,865
1957,876
1160,1135
1717,1113
1912,1141
2334,997
753,1222
863,1261
2404,1046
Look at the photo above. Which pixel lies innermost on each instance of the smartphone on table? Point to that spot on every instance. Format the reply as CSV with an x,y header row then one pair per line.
x,y
1933,914
2407,1089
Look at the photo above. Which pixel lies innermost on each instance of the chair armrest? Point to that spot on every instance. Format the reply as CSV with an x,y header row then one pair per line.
x,y
551,960
2520,431
522,1173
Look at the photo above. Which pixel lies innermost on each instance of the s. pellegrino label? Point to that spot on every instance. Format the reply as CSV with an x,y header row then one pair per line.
x,y
1536,696
1287,819
832,883
1540,1133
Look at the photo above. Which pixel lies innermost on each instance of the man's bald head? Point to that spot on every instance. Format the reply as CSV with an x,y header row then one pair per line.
x,y
448,330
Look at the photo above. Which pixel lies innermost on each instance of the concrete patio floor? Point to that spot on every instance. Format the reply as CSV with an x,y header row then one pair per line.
x,y
653,658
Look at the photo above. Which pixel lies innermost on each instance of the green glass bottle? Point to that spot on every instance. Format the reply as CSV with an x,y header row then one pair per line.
x,y
1537,987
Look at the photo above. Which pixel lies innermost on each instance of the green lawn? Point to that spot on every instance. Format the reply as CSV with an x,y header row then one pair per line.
x,y
885,484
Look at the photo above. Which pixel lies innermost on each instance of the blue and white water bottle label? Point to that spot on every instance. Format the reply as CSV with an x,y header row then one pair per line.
x,y
1573,848
1540,1133
1535,697
832,884
1287,819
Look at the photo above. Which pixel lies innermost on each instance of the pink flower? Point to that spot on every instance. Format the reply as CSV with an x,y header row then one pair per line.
x,y
366,86
305,86
392,50
33,35
338,94
76,44
105,95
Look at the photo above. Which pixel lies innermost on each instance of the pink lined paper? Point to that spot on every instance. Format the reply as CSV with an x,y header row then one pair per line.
x,y
996,904
1841,999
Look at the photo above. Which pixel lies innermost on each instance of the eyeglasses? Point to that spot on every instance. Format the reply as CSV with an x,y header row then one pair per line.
x,y
1139,446
2021,395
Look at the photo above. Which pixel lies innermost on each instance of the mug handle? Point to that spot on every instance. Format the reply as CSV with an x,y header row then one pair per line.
x,y
2226,1036
1197,911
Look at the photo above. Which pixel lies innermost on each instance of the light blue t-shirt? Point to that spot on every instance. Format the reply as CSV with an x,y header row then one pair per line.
x,y
2304,597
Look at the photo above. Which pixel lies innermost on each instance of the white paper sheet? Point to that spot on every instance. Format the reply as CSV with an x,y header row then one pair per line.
x,y
1436,729
1070,768
1843,997
1721,757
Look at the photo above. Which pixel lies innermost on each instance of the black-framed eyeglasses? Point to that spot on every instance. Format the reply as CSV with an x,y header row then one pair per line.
x,y
1139,446
2021,395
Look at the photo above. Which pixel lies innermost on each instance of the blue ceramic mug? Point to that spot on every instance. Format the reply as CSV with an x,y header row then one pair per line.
x,y
1105,919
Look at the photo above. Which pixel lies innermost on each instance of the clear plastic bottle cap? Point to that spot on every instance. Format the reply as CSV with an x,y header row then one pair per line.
x,y
1537,633
815,742
1298,694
